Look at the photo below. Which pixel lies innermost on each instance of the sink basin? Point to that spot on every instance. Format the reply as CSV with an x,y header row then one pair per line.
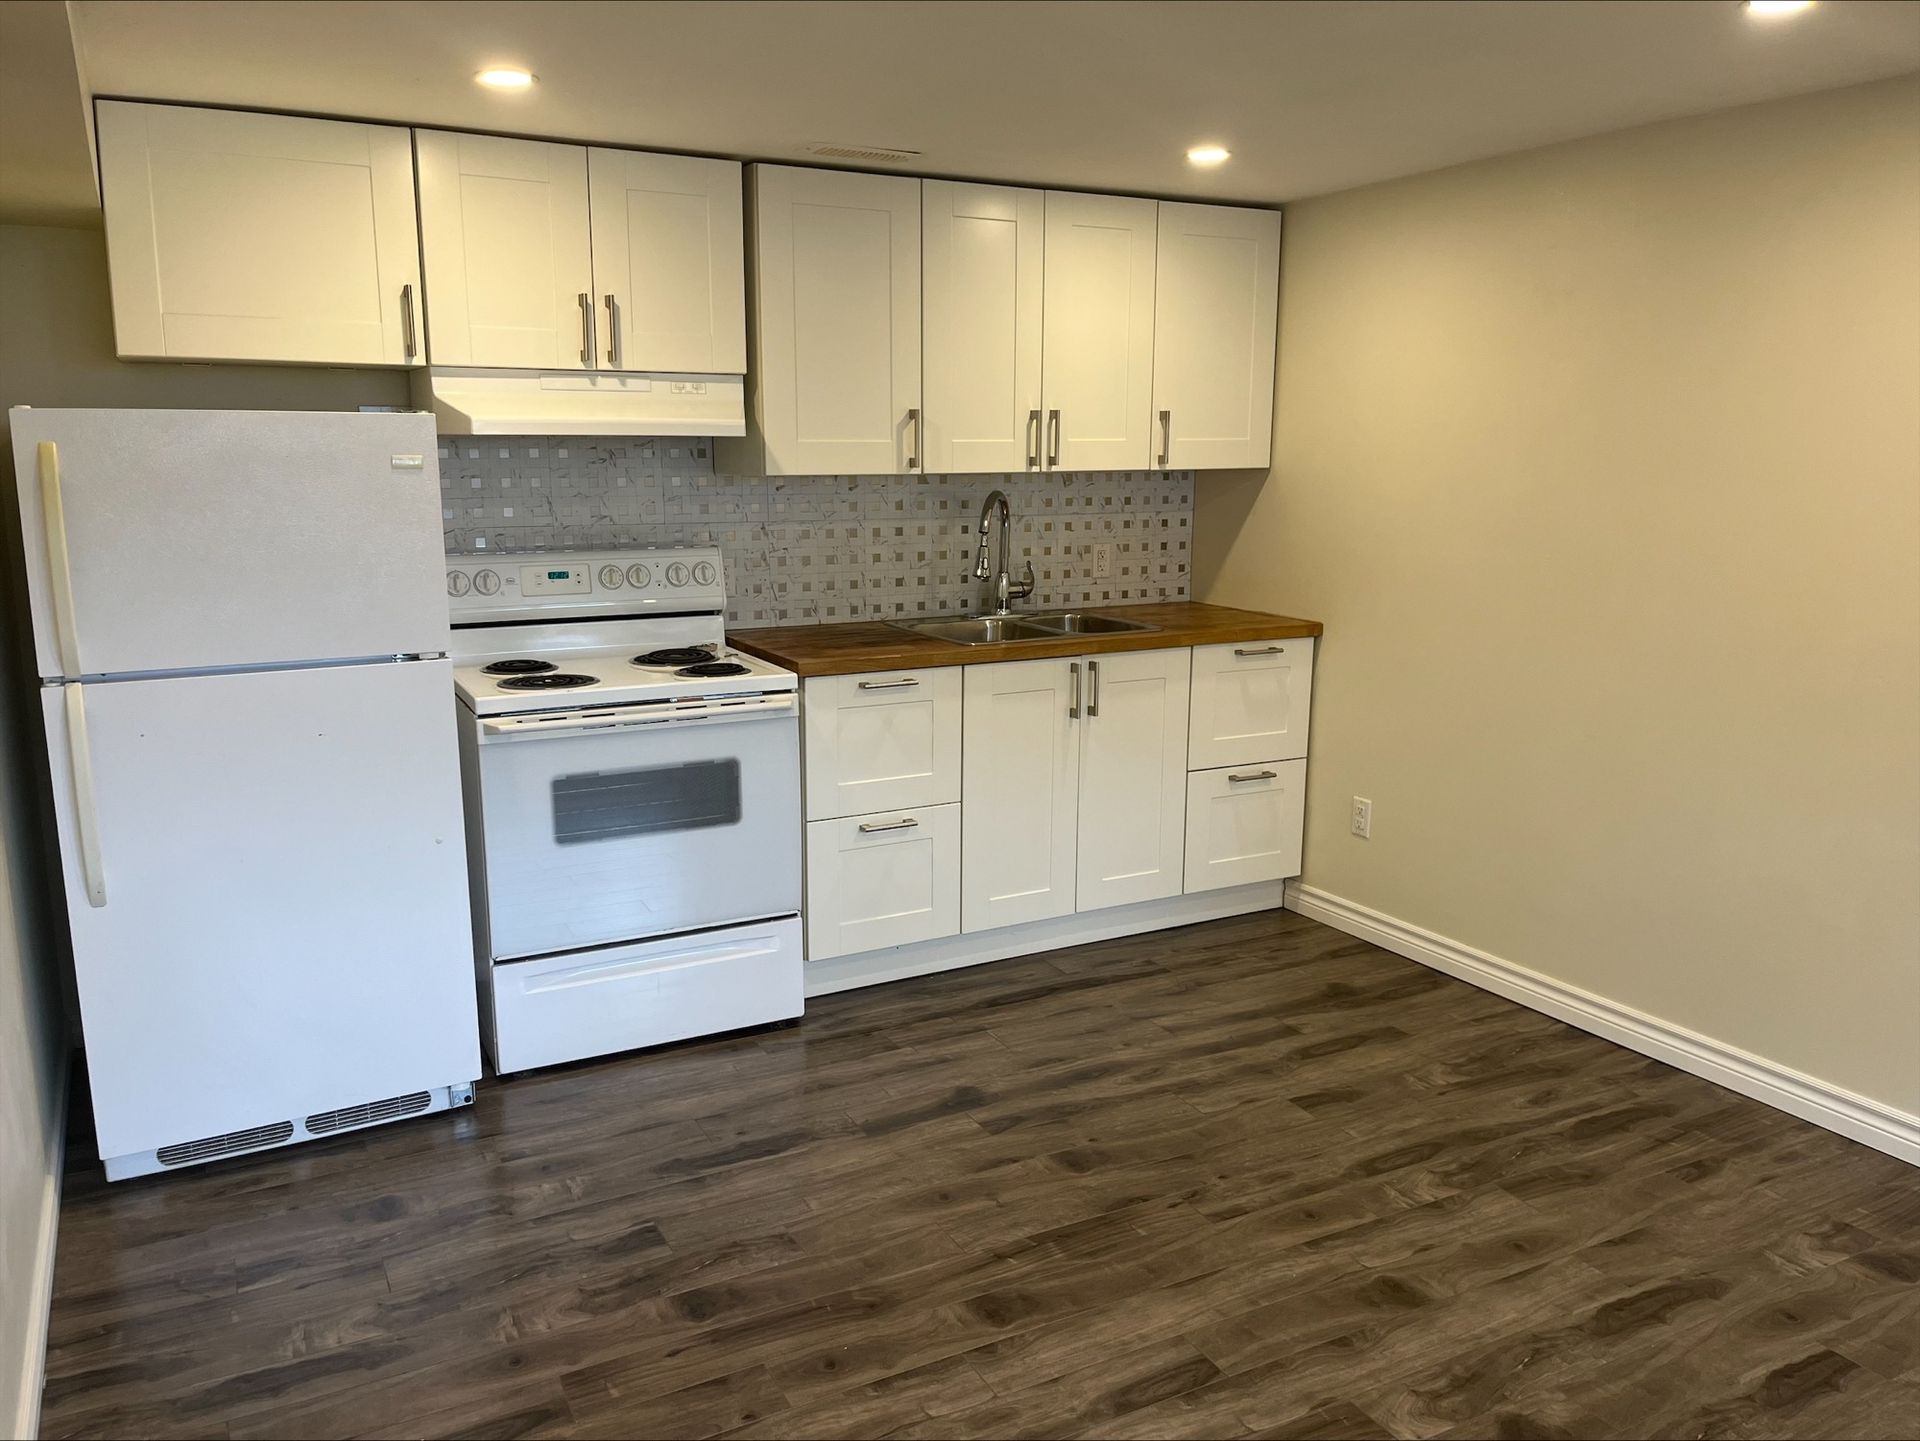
x,y
1080,623
980,629
999,629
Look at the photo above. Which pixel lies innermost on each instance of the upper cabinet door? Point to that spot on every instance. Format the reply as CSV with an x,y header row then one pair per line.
x,y
982,247
236,236
503,224
1098,363
1216,302
838,268
668,262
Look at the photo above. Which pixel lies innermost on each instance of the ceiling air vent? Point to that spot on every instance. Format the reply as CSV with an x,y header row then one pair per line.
x,y
207,1147
347,1117
881,154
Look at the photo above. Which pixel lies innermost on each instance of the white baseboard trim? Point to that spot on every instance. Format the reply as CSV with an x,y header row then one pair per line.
x,y
950,953
1854,1116
32,1374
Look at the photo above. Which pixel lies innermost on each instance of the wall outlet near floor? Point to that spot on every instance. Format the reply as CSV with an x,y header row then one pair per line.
x,y
1100,560
1363,817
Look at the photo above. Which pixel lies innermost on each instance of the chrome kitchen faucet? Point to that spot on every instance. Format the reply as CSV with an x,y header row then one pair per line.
x,y
1005,588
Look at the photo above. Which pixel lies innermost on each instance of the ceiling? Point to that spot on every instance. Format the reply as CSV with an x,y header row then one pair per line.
x,y
1310,95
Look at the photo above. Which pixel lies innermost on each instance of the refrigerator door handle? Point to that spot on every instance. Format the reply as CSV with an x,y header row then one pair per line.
x,y
86,822
53,516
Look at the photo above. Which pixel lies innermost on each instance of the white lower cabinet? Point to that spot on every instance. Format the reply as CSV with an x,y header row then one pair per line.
x,y
1073,786
882,880
1133,768
1244,824
1020,787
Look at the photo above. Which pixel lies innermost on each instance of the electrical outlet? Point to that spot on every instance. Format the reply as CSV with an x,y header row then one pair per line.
x,y
1100,560
1363,817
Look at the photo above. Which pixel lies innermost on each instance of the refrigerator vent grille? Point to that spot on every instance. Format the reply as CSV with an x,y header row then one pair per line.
x,y
187,1152
320,1122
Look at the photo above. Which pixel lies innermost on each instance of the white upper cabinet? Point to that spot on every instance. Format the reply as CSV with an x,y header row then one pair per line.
x,y
237,236
503,228
1097,366
668,262
1216,298
835,378
982,248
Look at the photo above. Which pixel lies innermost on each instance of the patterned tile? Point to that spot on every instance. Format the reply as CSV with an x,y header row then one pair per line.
x,y
816,549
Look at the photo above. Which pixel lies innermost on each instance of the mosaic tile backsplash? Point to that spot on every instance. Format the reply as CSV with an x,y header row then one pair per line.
x,y
818,549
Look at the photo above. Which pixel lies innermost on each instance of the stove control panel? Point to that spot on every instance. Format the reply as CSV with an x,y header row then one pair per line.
x,y
558,584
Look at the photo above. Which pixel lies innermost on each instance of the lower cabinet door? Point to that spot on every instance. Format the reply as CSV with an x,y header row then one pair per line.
x,y
882,880
1133,769
1243,824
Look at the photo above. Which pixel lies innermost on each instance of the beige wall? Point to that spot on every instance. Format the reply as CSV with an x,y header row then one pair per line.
x,y
1601,464
56,348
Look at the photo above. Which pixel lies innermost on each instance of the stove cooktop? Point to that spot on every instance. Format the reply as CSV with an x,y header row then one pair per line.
x,y
607,676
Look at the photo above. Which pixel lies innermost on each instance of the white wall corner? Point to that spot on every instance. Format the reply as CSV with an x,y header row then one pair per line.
x,y
1856,1117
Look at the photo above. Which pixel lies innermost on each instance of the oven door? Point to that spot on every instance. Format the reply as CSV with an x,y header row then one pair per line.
x,y
623,823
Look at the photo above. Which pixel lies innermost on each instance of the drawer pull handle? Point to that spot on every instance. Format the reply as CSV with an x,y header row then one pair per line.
x,y
1264,650
867,828
1256,776
887,684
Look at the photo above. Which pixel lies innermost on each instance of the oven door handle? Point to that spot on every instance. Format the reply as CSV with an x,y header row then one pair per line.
x,y
589,722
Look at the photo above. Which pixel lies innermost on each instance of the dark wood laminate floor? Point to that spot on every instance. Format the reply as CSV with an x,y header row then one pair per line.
x,y
1250,1177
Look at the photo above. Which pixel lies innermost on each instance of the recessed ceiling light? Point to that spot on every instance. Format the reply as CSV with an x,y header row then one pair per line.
x,y
504,77
1767,9
1208,155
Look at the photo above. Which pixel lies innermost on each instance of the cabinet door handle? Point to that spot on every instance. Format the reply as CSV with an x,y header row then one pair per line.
x,y
1093,693
1166,436
913,456
408,340
1033,440
586,330
613,332
1263,650
867,828
1073,711
1053,437
887,684
1256,776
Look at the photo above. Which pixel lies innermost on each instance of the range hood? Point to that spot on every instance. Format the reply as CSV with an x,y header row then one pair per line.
x,y
580,402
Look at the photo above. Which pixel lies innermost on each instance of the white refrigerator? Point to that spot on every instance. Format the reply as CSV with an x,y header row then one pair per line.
x,y
240,630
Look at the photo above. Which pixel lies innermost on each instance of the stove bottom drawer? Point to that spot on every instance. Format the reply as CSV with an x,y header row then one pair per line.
x,y
619,998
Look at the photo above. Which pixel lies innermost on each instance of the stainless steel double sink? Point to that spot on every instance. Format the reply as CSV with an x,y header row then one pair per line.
x,y
1000,629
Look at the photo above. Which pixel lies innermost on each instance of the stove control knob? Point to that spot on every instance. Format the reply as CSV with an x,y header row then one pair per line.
x,y
638,576
703,573
612,577
676,574
457,582
486,582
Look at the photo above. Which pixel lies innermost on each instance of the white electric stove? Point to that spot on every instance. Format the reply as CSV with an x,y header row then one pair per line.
x,y
633,805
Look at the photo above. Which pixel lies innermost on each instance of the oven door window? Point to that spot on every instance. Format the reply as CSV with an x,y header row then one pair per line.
x,y
652,800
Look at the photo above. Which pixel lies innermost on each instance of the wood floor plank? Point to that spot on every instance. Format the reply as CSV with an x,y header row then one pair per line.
x,y
1251,1177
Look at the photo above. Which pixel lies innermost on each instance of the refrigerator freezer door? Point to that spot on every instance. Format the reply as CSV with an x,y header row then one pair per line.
x,y
201,540
284,925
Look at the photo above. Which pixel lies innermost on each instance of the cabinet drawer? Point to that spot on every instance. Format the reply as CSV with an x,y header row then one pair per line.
x,y
882,880
1250,702
1243,824
882,741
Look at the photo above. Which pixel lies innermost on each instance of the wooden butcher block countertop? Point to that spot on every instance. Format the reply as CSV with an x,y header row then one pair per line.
x,y
870,645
